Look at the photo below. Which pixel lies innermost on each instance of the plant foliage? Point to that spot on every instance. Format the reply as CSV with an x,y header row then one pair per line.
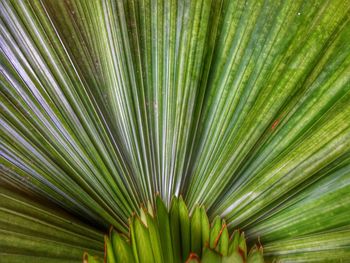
x,y
175,236
239,105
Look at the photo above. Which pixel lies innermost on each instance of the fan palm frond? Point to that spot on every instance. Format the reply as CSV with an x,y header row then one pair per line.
x,y
240,106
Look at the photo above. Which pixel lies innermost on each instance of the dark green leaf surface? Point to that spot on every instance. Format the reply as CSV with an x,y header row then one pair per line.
x,y
32,231
150,240
241,106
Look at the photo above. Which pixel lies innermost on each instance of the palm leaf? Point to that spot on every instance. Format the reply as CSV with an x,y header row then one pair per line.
x,y
30,230
242,106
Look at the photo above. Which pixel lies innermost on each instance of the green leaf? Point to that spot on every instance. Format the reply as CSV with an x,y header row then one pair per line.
x,y
313,247
185,229
121,248
154,237
91,259
175,229
33,230
211,256
196,231
164,230
109,251
224,241
215,232
242,245
241,106
133,240
234,257
255,255
205,227
143,244
234,242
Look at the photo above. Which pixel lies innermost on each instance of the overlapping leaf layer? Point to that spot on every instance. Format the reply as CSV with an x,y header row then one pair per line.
x,y
175,236
242,106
